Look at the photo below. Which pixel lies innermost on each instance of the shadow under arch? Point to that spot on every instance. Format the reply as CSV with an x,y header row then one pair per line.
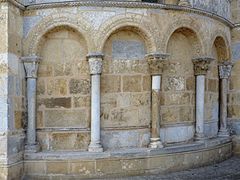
x,y
185,26
222,48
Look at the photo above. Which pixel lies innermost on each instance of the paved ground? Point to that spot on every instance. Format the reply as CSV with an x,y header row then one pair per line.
x,y
227,170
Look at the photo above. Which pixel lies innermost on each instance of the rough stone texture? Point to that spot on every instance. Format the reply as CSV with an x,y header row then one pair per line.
x,y
63,37
228,169
120,163
63,91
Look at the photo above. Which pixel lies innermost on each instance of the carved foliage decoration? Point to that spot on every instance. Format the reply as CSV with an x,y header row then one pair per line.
x,y
201,65
225,70
95,63
156,62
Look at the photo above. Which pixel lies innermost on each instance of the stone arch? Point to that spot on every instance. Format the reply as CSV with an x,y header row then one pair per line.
x,y
221,42
184,24
32,42
135,23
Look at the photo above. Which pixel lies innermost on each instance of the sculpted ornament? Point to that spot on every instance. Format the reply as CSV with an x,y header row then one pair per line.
x,y
201,65
184,3
95,63
31,66
225,70
156,62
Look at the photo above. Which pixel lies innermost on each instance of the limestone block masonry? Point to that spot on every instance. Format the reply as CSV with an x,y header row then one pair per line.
x,y
94,89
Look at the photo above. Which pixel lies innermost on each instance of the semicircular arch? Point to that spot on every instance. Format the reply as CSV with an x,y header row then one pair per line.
x,y
135,23
32,42
187,24
220,40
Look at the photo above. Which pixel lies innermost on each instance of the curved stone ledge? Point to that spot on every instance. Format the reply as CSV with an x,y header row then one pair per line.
x,y
130,5
126,162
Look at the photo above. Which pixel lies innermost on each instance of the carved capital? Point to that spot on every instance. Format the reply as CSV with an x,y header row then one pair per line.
x,y
224,70
31,65
201,65
95,63
156,62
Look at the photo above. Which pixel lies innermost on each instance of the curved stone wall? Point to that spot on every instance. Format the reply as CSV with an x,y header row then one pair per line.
x,y
124,36
132,52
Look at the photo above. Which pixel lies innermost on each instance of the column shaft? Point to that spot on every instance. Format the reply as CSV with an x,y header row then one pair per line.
x,y
201,66
156,81
95,66
223,105
200,88
156,62
31,67
31,99
224,73
95,112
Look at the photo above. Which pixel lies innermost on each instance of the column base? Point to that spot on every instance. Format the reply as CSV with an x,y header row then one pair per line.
x,y
32,148
199,137
94,147
223,133
155,143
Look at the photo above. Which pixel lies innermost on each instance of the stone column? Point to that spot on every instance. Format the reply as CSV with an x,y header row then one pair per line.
x,y
31,67
156,62
201,66
95,65
224,73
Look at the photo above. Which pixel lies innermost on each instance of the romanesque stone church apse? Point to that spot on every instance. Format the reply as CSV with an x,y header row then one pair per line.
x,y
101,88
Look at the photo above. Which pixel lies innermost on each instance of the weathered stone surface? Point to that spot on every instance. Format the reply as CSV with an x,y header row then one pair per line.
x,y
55,102
175,99
69,141
35,167
125,139
146,83
110,84
79,86
81,101
236,145
60,87
128,66
233,111
45,70
18,119
40,87
66,118
190,83
174,84
127,50
86,168
109,166
173,134
235,51
57,167
213,85
39,119
124,117
132,83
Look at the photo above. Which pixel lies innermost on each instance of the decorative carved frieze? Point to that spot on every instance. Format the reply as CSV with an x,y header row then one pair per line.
x,y
184,3
156,62
31,65
201,65
95,63
225,70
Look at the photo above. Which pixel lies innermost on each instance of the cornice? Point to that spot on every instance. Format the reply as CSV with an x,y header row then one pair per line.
x,y
123,5
15,3
237,25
